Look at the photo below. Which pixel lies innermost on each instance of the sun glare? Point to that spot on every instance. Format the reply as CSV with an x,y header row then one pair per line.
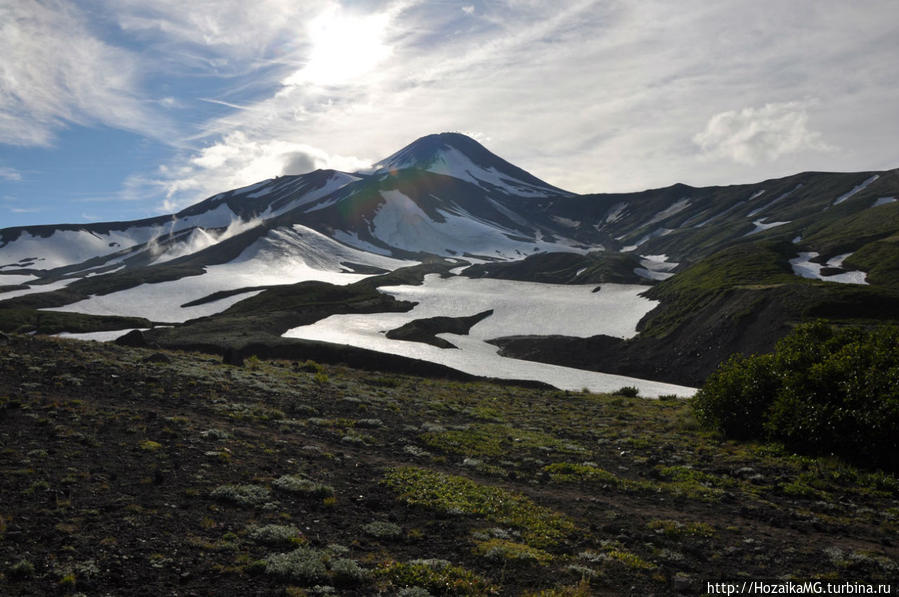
x,y
343,48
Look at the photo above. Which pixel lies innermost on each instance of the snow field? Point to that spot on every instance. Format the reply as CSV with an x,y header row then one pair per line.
x,y
520,308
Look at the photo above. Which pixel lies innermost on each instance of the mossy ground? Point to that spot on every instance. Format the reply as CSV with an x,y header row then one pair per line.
x,y
112,469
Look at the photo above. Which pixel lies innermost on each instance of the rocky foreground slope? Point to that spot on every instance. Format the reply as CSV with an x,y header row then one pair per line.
x,y
145,472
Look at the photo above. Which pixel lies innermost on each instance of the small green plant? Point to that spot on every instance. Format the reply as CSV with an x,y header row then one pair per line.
x,y
631,560
310,366
304,564
21,569
502,550
150,446
541,527
252,363
302,485
628,391
348,573
67,582
383,530
570,472
673,528
439,577
277,535
244,495
308,565
320,378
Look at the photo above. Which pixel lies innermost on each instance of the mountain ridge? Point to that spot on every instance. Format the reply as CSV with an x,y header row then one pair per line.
x,y
717,252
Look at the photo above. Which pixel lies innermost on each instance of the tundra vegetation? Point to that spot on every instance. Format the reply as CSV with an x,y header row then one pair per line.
x,y
126,473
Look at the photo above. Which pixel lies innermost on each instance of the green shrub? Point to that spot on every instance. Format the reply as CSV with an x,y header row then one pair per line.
x,y
734,398
310,366
822,391
439,577
347,572
504,551
304,564
541,527
303,486
383,530
277,535
628,391
21,569
245,495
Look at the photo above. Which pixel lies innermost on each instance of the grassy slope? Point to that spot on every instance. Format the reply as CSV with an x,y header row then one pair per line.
x,y
118,471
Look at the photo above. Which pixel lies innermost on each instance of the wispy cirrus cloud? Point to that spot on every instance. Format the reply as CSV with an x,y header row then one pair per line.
x,y
590,95
55,72
10,174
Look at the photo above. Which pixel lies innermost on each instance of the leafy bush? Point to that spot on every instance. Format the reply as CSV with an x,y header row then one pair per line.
x,y
628,391
734,398
822,391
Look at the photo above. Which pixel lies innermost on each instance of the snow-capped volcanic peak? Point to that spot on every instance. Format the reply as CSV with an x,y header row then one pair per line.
x,y
459,156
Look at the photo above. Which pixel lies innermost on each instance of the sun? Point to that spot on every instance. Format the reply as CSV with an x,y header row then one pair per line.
x,y
343,47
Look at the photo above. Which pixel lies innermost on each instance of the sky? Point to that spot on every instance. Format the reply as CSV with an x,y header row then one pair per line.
x,y
123,109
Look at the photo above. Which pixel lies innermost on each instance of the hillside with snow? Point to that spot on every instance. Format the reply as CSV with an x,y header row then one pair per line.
x,y
709,271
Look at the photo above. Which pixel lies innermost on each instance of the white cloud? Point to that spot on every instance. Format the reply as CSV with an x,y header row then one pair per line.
x,y
221,32
343,47
590,95
55,72
751,135
237,160
10,174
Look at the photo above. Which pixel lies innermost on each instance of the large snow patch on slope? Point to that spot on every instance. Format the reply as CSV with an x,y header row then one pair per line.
x,y
520,308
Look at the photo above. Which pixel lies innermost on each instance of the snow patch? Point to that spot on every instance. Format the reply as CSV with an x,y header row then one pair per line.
x,y
400,223
761,226
526,308
449,161
759,210
857,189
568,223
674,208
284,256
35,288
804,266
337,181
655,267
654,234
14,279
722,214
884,201
616,213
99,336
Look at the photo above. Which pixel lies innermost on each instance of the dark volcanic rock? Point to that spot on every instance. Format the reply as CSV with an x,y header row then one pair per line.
x,y
426,330
133,338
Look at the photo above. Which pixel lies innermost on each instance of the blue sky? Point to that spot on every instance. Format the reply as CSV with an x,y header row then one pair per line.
x,y
121,109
